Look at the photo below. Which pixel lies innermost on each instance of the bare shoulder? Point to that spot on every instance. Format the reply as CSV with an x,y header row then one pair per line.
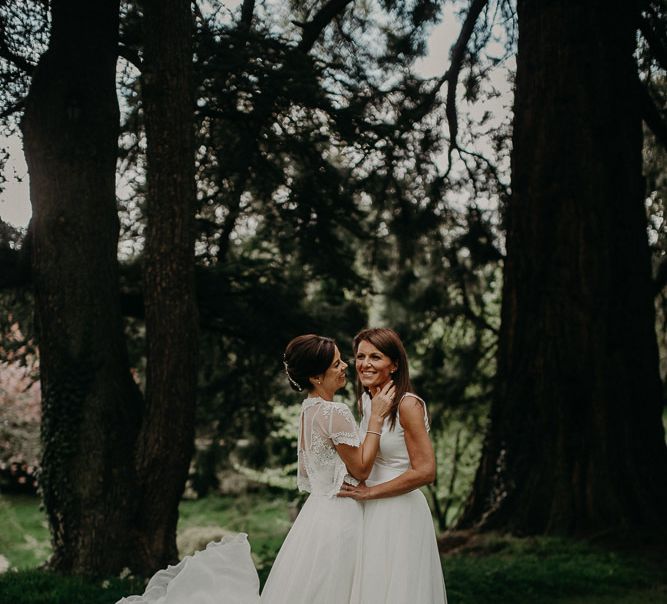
x,y
410,402
412,412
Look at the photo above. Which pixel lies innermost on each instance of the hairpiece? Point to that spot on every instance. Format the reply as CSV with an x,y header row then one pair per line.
x,y
298,386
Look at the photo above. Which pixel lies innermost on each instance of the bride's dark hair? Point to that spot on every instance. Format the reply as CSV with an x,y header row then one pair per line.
x,y
387,342
305,357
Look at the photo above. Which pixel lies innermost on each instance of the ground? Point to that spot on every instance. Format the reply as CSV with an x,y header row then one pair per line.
x,y
492,568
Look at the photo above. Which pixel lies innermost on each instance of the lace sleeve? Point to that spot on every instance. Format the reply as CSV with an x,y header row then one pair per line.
x,y
342,427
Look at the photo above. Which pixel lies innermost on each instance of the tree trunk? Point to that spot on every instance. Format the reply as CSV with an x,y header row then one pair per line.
x,y
91,406
576,443
165,444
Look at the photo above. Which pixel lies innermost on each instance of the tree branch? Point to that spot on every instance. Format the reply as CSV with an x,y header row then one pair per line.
x,y
12,109
15,267
451,76
660,279
657,45
130,55
13,58
466,308
247,11
314,27
651,115
491,167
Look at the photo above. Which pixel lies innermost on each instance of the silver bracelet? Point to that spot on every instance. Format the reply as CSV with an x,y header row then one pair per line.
x,y
372,432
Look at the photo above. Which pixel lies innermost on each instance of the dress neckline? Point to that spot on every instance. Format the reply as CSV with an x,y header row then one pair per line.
x,y
312,400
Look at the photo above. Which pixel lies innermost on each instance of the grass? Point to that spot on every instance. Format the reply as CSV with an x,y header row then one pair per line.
x,y
41,587
266,521
499,570
24,535
549,570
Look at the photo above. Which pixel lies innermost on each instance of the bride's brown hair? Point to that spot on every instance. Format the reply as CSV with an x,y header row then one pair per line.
x,y
307,356
388,343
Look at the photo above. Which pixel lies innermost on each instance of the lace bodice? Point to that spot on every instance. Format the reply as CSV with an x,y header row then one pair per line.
x,y
322,425
392,458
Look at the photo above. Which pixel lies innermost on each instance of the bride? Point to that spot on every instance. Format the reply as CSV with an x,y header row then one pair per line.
x,y
319,561
400,560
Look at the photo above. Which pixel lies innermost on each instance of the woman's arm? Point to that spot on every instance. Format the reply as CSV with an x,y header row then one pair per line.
x,y
420,451
359,460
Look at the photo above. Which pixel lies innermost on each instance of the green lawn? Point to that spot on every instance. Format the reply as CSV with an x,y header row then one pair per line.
x,y
265,519
549,570
500,571
24,536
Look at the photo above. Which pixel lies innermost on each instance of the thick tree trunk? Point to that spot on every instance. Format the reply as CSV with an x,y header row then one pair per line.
x,y
165,445
576,443
91,406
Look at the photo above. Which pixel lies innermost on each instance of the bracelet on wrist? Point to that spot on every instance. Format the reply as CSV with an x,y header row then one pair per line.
x,y
373,432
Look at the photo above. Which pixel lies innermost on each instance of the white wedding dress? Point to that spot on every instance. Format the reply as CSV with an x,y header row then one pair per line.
x,y
400,561
318,562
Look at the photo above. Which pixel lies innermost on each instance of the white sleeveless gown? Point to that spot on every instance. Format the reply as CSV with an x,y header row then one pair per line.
x,y
319,560
400,560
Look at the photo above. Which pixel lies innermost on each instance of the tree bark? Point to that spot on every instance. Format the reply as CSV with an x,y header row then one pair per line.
x,y
91,406
167,434
576,443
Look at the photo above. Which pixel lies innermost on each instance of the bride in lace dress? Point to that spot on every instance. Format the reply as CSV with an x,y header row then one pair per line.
x,y
320,558
400,560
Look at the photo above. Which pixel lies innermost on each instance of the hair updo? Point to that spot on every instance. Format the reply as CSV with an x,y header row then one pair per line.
x,y
305,357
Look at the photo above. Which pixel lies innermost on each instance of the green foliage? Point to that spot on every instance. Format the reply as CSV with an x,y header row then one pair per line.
x,y
458,447
655,173
24,535
30,23
42,587
266,519
320,200
545,570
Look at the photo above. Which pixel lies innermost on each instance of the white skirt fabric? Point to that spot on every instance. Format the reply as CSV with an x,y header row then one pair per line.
x,y
400,561
317,563
223,573
319,560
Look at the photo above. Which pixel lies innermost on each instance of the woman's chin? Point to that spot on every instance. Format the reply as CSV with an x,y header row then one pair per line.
x,y
341,383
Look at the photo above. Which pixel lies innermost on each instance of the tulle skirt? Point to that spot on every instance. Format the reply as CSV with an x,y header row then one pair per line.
x,y
400,560
319,560
318,563
223,573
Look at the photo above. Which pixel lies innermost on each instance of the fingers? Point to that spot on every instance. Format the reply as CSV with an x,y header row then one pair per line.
x,y
388,392
346,491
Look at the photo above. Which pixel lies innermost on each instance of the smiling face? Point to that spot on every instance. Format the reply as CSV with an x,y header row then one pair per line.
x,y
374,368
332,379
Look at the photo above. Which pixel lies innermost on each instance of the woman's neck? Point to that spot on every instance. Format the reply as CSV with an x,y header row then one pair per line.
x,y
321,393
373,390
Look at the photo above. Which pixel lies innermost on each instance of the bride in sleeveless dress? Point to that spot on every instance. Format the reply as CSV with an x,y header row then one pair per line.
x,y
319,561
400,560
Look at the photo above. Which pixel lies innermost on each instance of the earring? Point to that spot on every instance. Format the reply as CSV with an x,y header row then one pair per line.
x,y
319,381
